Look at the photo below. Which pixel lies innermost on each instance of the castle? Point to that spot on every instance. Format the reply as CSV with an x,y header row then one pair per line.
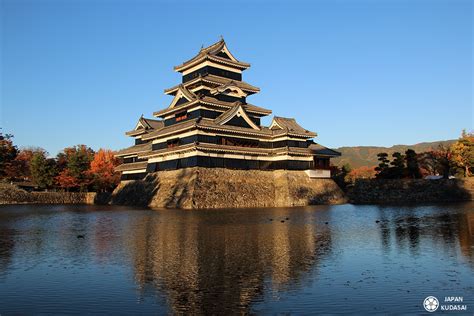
x,y
210,124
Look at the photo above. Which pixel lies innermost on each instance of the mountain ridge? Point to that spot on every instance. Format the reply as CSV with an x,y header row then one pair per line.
x,y
366,156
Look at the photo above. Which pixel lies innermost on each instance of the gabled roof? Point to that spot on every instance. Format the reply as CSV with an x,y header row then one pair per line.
x,y
212,124
182,92
216,80
324,151
144,125
213,53
289,125
170,129
235,111
212,102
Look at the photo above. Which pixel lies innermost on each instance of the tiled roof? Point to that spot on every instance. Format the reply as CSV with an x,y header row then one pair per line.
x,y
208,78
210,124
210,53
131,166
248,107
134,150
154,124
215,102
321,150
206,147
227,114
289,125
186,92
171,129
169,150
148,124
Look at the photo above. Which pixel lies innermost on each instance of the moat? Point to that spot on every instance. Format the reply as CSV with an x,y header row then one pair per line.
x,y
338,259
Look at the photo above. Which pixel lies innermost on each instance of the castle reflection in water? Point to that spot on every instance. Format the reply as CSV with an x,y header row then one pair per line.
x,y
203,263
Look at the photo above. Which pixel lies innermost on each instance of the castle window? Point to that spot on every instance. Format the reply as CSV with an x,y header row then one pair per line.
x,y
238,142
181,116
173,142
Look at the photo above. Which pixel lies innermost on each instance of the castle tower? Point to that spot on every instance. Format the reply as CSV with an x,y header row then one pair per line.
x,y
209,123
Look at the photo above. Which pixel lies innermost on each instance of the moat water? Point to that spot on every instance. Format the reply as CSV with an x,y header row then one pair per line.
x,y
322,259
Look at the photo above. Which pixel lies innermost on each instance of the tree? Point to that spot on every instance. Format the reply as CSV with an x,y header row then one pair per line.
x,y
398,163
79,160
413,168
8,153
66,181
429,163
361,173
463,153
22,162
444,156
383,165
102,170
43,170
74,162
346,168
339,175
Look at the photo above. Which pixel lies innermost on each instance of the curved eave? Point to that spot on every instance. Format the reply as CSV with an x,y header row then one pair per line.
x,y
133,150
197,60
229,129
174,109
249,110
306,135
284,132
327,153
136,132
185,106
131,166
170,151
172,129
252,151
245,87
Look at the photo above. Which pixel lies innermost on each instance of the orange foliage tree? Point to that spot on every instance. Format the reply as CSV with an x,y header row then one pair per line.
x,y
463,153
74,162
67,181
102,170
361,173
22,168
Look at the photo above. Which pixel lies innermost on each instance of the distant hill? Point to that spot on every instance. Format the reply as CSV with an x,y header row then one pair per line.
x,y
359,156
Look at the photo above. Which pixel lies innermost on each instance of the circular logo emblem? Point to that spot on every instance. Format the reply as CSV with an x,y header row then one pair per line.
x,y
431,304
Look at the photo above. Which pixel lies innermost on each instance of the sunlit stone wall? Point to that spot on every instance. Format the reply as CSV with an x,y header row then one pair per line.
x,y
225,188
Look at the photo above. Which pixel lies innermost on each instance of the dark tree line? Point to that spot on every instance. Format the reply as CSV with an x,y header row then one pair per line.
x,y
402,166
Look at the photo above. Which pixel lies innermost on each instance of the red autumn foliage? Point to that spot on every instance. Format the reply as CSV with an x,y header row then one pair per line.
x,y
361,173
66,181
102,170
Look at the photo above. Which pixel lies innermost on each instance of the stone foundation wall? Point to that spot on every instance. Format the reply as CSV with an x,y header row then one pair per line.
x,y
225,188
10,194
378,191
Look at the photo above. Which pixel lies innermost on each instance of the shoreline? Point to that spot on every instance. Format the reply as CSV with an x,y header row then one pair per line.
x,y
200,189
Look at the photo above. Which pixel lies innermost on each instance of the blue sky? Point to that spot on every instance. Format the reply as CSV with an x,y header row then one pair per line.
x,y
355,72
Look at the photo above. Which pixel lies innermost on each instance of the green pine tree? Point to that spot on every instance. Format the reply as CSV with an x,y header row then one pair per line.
x,y
43,170
413,167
